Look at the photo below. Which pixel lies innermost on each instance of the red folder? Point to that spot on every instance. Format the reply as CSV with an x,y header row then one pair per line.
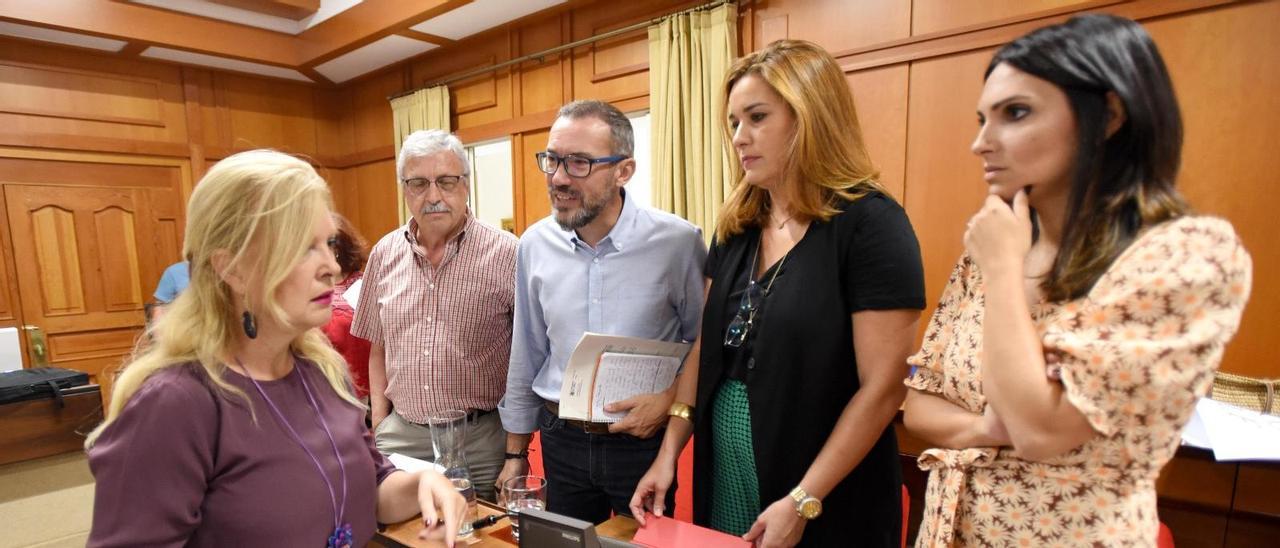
x,y
669,532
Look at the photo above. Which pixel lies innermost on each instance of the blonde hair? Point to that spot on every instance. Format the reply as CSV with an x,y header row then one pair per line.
x,y
827,159
260,206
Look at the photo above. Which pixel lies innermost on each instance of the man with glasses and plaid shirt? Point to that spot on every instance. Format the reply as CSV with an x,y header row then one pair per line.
x,y
604,264
437,305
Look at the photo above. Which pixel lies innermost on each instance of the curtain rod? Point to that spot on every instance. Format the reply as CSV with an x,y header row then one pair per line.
x,y
551,51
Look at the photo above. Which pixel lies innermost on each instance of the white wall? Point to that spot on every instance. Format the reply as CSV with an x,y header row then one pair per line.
x,y
491,188
639,188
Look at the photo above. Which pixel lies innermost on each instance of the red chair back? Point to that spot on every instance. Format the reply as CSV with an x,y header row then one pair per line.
x,y
906,511
1164,539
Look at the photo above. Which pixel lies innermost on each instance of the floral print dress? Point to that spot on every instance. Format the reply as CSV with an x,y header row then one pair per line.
x,y
1135,354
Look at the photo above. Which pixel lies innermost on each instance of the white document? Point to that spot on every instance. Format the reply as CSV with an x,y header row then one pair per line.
x,y
410,464
352,294
1239,434
10,349
1195,434
606,368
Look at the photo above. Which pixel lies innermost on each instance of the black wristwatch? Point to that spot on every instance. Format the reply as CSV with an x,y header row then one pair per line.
x,y
520,456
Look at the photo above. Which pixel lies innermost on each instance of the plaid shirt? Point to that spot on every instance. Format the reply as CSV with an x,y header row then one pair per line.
x,y
446,331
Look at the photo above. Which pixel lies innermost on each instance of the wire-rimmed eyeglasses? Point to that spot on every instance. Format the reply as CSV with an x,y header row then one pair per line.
x,y
446,183
575,165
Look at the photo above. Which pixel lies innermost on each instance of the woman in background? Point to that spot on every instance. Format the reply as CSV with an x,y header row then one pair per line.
x,y
1089,310
350,250
815,289
237,426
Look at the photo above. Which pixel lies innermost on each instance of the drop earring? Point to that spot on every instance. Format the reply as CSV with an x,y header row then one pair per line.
x,y
248,323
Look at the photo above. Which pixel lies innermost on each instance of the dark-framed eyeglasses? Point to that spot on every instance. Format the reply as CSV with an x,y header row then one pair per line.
x,y
740,326
446,183
575,165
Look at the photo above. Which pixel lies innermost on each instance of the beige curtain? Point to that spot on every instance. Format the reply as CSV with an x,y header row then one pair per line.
x,y
422,109
689,55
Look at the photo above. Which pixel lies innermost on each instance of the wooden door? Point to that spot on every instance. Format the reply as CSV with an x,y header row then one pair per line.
x,y
83,258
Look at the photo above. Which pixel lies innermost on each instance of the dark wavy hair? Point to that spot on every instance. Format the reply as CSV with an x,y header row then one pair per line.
x,y
1124,183
350,250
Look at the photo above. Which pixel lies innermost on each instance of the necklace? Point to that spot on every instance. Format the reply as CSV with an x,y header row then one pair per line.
x,y
342,534
751,278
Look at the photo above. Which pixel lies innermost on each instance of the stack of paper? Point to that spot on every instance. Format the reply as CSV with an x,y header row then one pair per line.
x,y
1233,433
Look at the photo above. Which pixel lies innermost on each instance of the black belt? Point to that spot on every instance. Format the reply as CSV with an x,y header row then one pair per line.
x,y
474,414
588,427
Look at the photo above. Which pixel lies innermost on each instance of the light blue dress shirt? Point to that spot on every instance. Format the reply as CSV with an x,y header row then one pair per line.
x,y
172,282
644,279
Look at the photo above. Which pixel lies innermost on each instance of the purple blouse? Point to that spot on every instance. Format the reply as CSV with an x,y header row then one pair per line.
x,y
186,465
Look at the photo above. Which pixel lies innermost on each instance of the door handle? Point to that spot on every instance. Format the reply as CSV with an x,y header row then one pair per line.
x,y
36,344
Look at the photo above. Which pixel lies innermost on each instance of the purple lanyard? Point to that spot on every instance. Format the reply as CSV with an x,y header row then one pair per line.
x,y
341,532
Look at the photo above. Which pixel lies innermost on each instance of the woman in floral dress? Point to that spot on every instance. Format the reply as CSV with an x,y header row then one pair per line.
x,y
1089,310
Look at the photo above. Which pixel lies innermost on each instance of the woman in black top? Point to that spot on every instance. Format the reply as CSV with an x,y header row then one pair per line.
x,y
814,290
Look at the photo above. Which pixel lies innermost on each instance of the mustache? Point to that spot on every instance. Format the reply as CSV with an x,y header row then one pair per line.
x,y
566,190
435,208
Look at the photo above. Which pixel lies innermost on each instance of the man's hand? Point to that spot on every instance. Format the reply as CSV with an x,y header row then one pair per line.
x,y
510,469
646,414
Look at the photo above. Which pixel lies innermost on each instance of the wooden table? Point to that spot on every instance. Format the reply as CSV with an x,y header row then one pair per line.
x,y
498,535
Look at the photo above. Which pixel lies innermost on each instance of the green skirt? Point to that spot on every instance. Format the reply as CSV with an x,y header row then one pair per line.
x,y
735,492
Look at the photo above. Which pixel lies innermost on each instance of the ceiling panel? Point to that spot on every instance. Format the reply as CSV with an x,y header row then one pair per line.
x,y
179,56
481,15
61,37
204,8
372,57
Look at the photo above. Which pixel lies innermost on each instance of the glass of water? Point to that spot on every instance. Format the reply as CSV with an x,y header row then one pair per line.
x,y
464,487
521,493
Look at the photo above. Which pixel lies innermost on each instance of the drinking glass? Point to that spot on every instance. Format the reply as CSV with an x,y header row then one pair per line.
x,y
520,493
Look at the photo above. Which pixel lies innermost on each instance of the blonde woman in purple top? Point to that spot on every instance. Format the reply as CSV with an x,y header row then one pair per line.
x,y
238,427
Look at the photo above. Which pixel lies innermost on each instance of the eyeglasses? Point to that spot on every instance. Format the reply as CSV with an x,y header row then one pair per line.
x,y
740,326
736,333
575,165
446,183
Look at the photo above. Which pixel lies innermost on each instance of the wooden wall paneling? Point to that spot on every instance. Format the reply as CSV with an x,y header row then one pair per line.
x,y
532,202
76,289
67,169
375,183
346,200
517,184
264,113
58,92
481,100
334,123
541,82
929,16
169,210
191,94
836,25
1226,70
566,61
10,305
371,112
613,69
944,185
881,98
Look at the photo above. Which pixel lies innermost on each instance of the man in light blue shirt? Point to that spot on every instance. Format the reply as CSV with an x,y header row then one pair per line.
x,y
599,263
172,282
